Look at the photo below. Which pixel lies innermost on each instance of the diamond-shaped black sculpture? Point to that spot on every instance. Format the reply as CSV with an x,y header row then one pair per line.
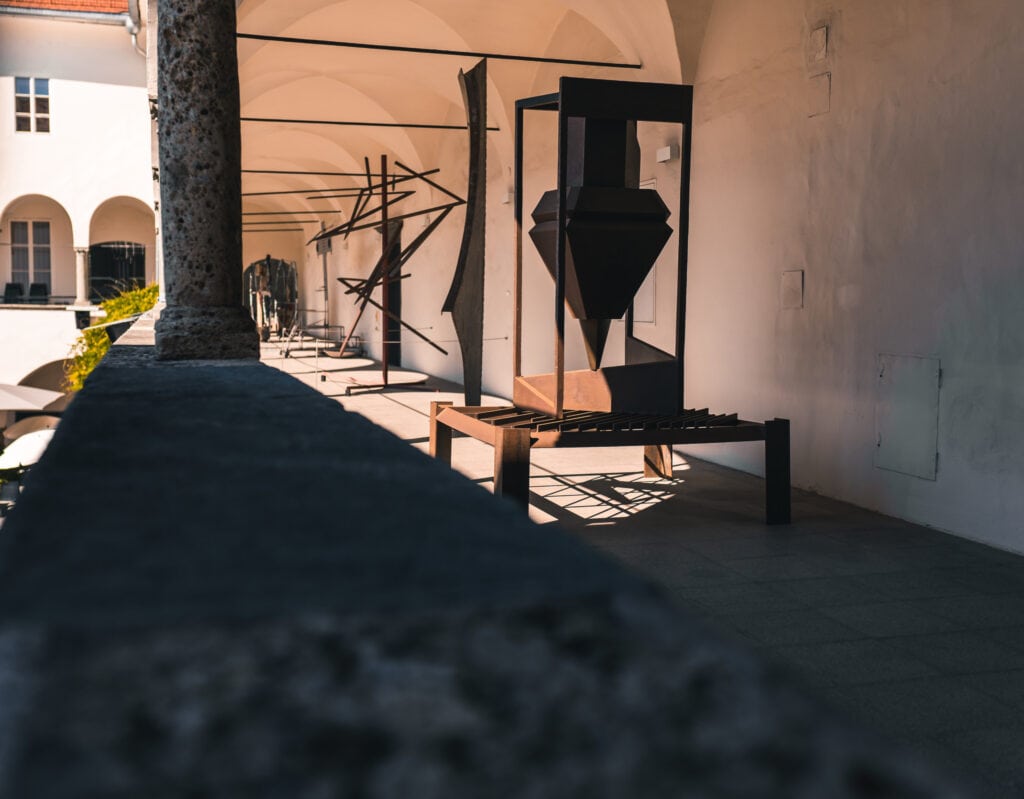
x,y
614,230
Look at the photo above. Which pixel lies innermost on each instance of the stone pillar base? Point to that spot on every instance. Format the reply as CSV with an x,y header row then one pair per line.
x,y
190,333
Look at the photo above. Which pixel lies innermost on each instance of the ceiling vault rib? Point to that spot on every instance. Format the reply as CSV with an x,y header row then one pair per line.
x,y
436,51
349,123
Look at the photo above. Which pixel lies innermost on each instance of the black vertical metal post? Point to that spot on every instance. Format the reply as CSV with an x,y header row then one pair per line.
x,y
517,278
776,471
560,243
386,266
684,248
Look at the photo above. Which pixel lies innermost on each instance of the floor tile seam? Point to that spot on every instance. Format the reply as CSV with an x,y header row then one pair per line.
x,y
857,635
910,604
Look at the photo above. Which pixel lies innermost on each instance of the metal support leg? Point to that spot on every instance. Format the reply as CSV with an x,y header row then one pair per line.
x,y
440,434
776,471
658,461
512,464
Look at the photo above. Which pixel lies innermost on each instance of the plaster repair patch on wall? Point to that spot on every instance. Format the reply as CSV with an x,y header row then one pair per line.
x,y
817,46
907,415
792,290
819,94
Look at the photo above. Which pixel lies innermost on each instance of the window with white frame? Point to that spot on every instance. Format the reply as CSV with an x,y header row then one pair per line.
x,y
32,105
30,254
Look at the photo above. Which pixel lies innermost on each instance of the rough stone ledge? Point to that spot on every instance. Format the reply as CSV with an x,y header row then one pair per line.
x,y
219,584
603,699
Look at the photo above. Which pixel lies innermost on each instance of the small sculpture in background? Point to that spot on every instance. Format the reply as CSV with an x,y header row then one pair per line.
x,y
270,292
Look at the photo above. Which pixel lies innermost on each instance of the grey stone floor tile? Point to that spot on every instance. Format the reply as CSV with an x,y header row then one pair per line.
x,y
826,592
888,619
928,707
673,552
992,579
868,562
788,627
735,598
781,567
988,554
921,558
1006,686
1012,637
978,612
763,545
906,585
853,662
681,569
961,652
884,533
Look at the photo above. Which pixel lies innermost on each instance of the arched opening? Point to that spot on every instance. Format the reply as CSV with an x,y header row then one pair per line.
x,y
115,266
37,259
122,235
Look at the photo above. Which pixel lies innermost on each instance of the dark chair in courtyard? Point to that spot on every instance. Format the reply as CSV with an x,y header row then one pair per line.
x,y
39,293
14,292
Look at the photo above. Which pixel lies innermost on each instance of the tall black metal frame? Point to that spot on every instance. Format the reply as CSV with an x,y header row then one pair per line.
x,y
603,99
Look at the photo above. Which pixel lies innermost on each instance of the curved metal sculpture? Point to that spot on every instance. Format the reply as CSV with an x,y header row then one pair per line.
x,y
465,300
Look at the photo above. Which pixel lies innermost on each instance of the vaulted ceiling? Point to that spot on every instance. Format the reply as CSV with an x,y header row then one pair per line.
x,y
291,81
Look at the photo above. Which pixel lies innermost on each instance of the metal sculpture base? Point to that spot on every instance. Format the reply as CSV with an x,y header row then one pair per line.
x,y
514,431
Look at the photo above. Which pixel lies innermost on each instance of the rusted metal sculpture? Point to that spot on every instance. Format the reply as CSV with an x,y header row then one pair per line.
x,y
465,300
599,235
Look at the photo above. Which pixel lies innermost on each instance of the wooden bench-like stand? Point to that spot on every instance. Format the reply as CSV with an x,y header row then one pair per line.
x,y
513,432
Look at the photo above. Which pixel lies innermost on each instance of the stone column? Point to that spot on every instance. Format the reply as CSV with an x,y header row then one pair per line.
x,y
200,184
81,275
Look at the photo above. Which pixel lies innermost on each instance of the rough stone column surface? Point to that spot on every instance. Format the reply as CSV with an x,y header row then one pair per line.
x,y
81,276
200,184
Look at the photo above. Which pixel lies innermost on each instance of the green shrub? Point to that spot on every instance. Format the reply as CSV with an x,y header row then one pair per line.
x,y
93,344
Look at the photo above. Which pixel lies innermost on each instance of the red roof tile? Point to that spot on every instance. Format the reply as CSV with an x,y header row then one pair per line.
x,y
91,6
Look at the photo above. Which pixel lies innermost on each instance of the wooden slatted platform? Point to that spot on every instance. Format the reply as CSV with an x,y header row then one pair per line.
x,y
513,432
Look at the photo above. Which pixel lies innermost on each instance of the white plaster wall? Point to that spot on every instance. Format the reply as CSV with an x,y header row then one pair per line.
x,y
902,205
30,338
99,144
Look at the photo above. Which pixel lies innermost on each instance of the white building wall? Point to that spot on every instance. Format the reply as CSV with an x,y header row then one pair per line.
x,y
899,197
99,144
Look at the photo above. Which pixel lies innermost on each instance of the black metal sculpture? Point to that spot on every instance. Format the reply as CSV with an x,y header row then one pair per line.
x,y
465,300
388,268
614,229
599,235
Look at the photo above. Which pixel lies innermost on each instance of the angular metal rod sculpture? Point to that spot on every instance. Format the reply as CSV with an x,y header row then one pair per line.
x,y
352,287
465,300
388,267
385,251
